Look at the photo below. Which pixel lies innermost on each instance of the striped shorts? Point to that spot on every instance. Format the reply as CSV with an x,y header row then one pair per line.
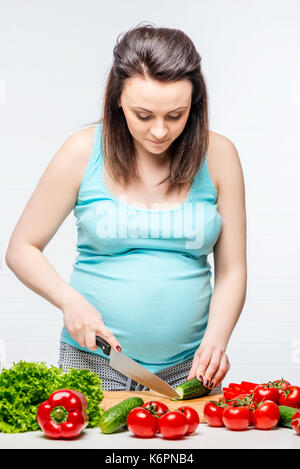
x,y
113,380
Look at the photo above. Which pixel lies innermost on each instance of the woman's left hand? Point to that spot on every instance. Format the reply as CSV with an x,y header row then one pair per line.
x,y
210,365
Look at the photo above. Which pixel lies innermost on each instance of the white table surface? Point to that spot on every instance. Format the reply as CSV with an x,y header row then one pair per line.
x,y
204,437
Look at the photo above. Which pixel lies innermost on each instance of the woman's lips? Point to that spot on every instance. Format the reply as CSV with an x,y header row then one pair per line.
x,y
158,143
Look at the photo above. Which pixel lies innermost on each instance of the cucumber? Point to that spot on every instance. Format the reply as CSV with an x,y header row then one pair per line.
x,y
191,389
286,415
115,418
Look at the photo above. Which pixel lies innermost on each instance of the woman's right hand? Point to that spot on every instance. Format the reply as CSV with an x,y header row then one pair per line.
x,y
83,321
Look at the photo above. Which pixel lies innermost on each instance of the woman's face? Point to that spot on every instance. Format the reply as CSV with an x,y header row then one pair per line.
x,y
155,111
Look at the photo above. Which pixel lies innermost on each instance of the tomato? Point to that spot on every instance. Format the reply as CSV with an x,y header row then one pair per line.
x,y
241,397
252,406
156,407
290,397
266,392
266,416
281,385
192,418
142,423
173,424
213,414
236,417
221,401
296,422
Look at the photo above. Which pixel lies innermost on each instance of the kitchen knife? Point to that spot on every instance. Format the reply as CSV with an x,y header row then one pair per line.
x,y
119,361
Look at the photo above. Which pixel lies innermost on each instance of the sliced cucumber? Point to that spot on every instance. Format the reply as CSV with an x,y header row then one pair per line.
x,y
286,415
115,418
191,389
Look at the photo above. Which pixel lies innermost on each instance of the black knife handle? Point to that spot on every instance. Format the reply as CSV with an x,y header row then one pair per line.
x,y
103,344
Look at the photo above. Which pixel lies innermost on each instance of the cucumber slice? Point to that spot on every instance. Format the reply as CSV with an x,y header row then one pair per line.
x,y
191,389
286,415
115,418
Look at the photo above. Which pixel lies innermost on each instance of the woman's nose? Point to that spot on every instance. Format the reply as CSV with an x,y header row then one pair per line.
x,y
159,133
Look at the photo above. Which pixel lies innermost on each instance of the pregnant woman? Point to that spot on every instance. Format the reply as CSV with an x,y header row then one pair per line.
x,y
154,192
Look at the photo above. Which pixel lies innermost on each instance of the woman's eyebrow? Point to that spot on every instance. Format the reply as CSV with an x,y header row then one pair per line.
x,y
147,110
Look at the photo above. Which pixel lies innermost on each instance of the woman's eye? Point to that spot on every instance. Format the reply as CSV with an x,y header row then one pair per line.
x,y
145,118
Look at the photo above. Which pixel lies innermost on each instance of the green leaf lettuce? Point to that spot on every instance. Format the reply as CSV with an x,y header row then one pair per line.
x,y
25,385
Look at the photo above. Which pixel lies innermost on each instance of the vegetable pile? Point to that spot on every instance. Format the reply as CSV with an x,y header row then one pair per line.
x,y
145,420
261,405
25,385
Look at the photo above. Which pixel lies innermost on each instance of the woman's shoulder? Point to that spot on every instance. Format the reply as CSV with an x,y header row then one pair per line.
x,y
222,156
81,143
84,138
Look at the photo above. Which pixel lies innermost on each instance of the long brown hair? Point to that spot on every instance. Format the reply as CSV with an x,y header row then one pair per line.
x,y
163,54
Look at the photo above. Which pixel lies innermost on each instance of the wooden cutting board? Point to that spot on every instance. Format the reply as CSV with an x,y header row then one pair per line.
x,y
112,398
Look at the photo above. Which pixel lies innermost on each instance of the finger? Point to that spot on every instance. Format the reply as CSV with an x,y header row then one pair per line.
x,y
78,335
90,339
204,360
212,367
194,367
80,339
221,372
107,335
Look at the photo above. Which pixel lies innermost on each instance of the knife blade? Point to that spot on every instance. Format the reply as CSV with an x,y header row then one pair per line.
x,y
121,362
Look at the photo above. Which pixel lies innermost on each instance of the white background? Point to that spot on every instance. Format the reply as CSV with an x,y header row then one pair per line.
x,y
55,57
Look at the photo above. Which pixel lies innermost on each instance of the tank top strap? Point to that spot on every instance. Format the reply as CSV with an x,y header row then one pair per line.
x,y
96,152
204,188
93,162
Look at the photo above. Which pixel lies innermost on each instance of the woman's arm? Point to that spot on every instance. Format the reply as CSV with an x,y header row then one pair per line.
x,y
51,202
211,363
47,208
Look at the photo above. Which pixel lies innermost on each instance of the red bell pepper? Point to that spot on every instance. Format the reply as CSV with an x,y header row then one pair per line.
x,y
244,386
234,390
237,387
63,414
231,393
248,387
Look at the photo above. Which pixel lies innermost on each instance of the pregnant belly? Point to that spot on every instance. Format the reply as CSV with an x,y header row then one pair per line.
x,y
157,314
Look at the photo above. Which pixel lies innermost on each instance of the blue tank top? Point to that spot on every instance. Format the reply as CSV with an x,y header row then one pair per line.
x,y
146,270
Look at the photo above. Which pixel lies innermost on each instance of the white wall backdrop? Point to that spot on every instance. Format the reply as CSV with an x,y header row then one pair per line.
x,y
54,60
